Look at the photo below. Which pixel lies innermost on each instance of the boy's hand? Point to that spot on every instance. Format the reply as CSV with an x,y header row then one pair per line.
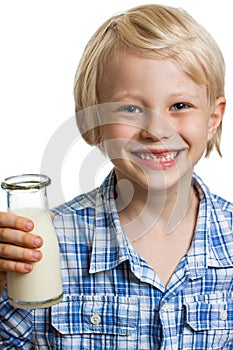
x,y
18,247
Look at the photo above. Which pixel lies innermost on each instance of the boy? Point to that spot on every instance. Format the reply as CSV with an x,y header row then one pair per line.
x,y
147,257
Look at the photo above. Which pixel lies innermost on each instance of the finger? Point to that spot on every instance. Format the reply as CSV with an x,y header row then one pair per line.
x,y
52,215
2,278
15,266
11,252
2,281
15,221
20,238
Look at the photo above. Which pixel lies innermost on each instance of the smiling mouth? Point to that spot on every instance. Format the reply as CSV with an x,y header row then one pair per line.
x,y
159,157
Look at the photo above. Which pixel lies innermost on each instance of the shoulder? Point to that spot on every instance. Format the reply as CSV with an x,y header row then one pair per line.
x,y
74,220
223,203
91,200
77,220
218,204
222,213
79,203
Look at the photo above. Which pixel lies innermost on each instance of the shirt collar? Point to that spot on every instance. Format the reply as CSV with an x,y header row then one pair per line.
x,y
212,245
110,244
213,240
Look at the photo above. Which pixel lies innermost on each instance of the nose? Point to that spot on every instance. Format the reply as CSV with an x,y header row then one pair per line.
x,y
156,127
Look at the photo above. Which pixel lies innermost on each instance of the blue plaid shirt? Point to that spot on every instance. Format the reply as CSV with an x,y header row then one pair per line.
x,y
114,300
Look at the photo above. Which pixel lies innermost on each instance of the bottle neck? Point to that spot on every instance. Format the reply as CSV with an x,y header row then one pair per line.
x,y
30,198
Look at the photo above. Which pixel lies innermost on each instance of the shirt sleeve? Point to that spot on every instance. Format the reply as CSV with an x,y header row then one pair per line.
x,y
15,326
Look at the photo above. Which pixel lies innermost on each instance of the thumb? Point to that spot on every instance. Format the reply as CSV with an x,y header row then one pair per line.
x,y
52,215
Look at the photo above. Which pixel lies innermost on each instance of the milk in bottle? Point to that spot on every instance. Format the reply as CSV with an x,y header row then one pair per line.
x,y
42,287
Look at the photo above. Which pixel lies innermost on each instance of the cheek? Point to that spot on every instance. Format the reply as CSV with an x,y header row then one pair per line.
x,y
115,138
117,131
194,133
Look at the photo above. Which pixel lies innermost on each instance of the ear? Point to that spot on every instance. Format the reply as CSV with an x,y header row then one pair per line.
x,y
216,116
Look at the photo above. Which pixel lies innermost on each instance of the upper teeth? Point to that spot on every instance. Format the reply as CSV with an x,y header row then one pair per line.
x,y
160,157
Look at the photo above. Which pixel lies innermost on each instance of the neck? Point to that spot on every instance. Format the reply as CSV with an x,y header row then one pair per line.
x,y
141,210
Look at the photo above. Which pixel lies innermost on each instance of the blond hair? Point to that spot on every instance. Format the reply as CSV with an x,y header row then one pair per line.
x,y
154,31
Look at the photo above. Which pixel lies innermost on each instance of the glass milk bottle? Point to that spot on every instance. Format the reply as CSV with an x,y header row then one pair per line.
x,y
42,287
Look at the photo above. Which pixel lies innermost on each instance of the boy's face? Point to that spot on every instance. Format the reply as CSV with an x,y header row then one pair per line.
x,y
160,120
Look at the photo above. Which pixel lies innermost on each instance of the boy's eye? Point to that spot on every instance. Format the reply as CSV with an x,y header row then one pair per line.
x,y
131,109
180,106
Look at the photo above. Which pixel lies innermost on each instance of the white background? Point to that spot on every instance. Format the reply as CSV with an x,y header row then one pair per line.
x,y
41,43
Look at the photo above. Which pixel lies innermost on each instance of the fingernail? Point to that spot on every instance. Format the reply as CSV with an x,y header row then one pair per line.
x,y
29,225
36,254
28,267
37,242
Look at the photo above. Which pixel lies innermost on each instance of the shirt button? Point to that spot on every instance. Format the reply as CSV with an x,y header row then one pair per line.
x,y
223,315
166,307
95,319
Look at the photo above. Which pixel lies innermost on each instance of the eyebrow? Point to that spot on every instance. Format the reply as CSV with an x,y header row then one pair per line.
x,y
184,94
127,94
137,95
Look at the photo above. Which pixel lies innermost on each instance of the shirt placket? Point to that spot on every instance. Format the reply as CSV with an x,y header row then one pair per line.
x,y
169,339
